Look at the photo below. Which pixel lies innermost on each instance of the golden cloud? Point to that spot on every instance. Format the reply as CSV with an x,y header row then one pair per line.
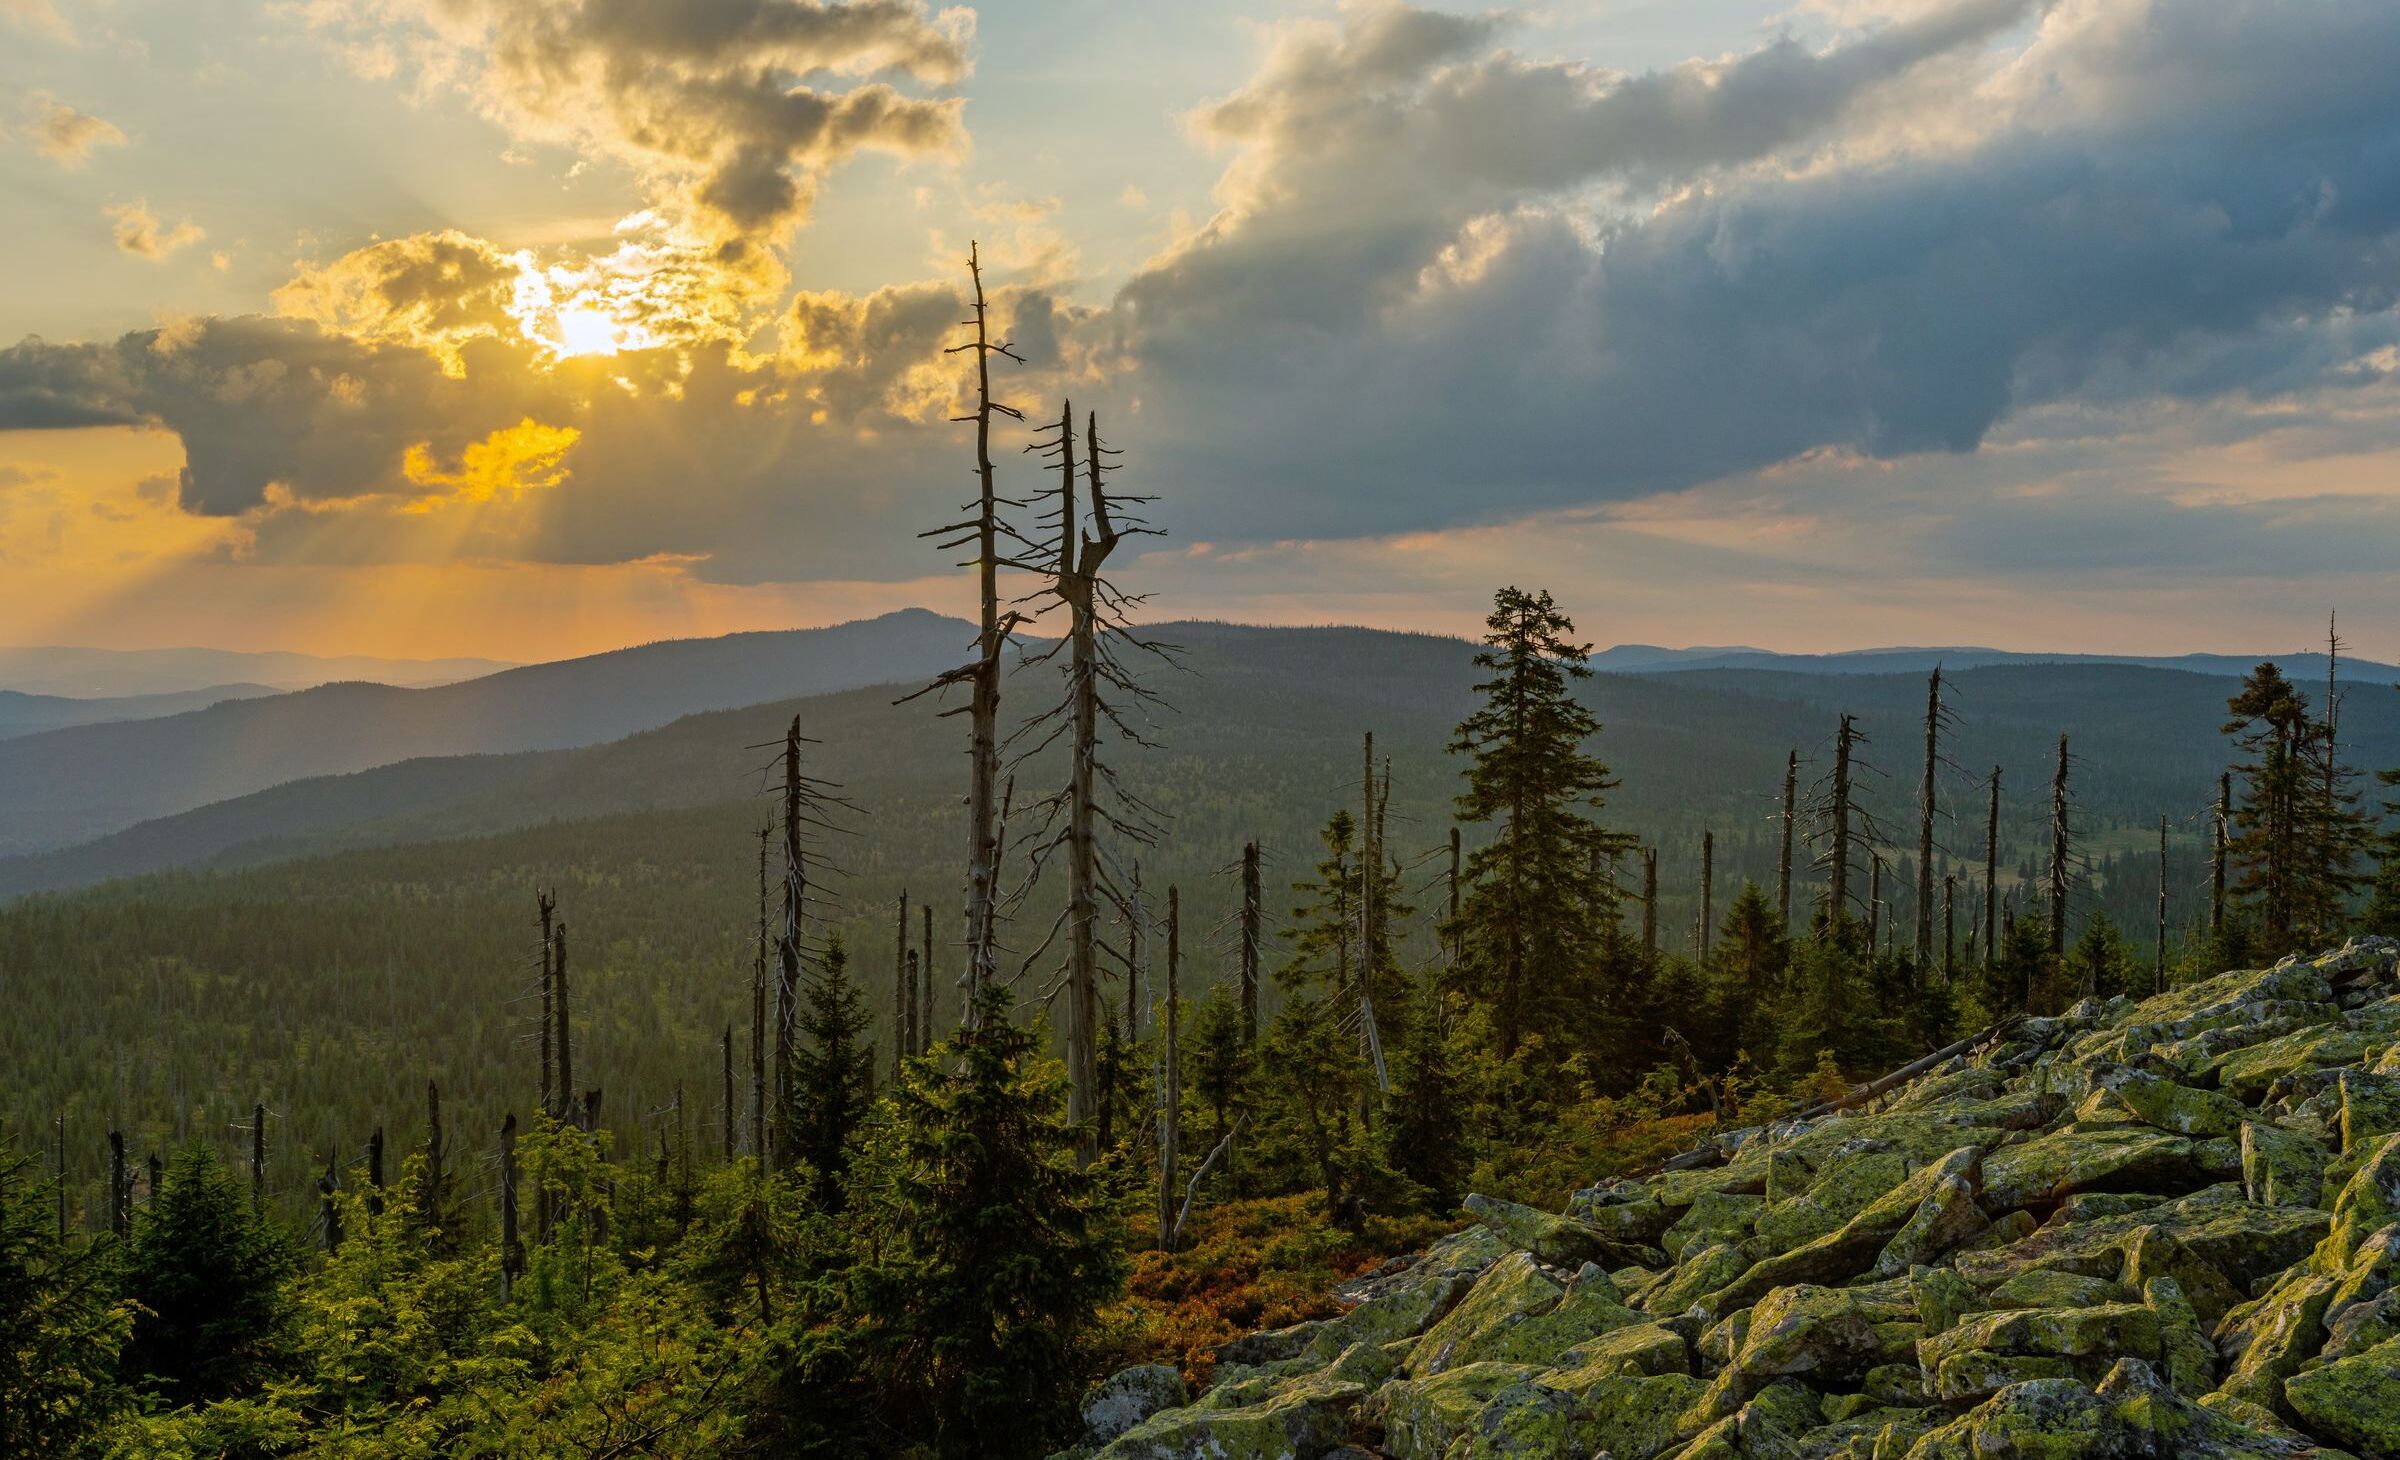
x,y
505,464
140,232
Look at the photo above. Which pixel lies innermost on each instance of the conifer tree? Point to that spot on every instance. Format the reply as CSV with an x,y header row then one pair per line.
x,y
208,1274
2382,914
2296,837
61,1325
1430,1099
833,1074
1001,1249
1219,1064
1534,922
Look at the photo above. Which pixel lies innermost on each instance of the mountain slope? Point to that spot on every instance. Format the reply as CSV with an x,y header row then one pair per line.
x,y
108,673
29,714
68,786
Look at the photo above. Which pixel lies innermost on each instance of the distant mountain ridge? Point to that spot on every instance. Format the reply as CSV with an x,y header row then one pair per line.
x,y
27,714
67,786
2307,666
81,673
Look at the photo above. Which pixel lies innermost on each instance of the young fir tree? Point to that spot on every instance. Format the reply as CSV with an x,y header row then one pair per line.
x,y
61,1325
1218,1068
1431,1143
2382,914
2100,965
1000,1249
2296,837
1747,965
833,1075
1533,920
208,1272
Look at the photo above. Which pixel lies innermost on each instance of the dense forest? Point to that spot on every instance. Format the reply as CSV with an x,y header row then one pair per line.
x,y
731,1128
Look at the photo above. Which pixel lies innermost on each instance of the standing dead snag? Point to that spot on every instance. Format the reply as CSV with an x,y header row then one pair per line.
x,y
1650,901
1708,879
787,942
903,1017
926,1004
432,1186
983,531
1991,876
1934,714
512,1251
258,1157
2058,854
120,1201
729,1107
1170,1084
566,1042
544,906
1783,861
1837,815
1949,928
2158,961
375,1175
2222,837
1250,933
1097,625
758,1015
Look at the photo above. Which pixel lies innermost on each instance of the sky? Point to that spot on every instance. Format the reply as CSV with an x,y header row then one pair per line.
x,y
527,328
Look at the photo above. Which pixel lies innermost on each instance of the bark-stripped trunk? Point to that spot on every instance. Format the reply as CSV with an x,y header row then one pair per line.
x,y
983,794
1708,881
1925,808
120,1207
1251,923
545,905
258,1157
1991,876
787,943
566,1028
375,1173
1949,928
2058,854
1170,1085
512,1252
2216,867
1837,891
2158,959
1650,901
1783,859
904,1027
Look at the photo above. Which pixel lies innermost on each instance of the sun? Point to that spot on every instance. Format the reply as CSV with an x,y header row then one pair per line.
x,y
586,331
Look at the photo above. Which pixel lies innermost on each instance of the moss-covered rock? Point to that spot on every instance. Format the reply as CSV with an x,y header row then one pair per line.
x,y
1302,1423
1422,1417
1714,1219
2053,1166
1556,1240
2353,1401
2281,1167
1512,1293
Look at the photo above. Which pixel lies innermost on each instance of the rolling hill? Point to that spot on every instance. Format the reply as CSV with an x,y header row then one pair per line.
x,y
28,714
68,786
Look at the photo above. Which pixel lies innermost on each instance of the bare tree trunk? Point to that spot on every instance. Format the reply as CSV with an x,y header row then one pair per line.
x,y
429,1191
787,943
729,1102
375,1173
1077,573
1925,809
1650,901
1949,928
1783,861
914,1023
2058,853
983,804
1170,1097
1458,935
119,1207
258,1157
758,1018
2216,873
903,1018
1708,882
1137,952
929,1002
545,905
329,1216
1874,897
566,1041
1837,892
512,1252
1251,922
2158,961
58,1171
1991,876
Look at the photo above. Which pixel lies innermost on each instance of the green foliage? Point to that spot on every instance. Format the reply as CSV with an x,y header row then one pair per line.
x,y
61,1325
1000,1250
208,1275
2297,835
1534,914
833,1075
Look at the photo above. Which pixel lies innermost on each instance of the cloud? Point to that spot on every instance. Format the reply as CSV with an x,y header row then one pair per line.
x,y
38,16
140,232
722,107
67,136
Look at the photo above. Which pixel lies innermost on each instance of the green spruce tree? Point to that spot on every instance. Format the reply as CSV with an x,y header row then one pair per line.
x,y
1534,917
833,1075
2296,837
61,1325
209,1274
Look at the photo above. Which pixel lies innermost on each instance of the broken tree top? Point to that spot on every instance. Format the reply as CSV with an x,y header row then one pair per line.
x,y
2167,1228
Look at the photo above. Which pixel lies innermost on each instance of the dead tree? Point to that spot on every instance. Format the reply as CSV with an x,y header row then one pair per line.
x,y
2058,854
545,905
1457,940
1934,713
729,1106
258,1157
566,1040
1099,693
58,1171
983,532
375,1173
432,1185
914,1024
512,1251
926,1002
1170,1084
120,1202
1949,928
903,1017
787,941
2223,835
1708,881
329,1214
2158,960
1837,811
158,1175
758,1015
1650,901
1251,922
1874,896
1783,861
1991,876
